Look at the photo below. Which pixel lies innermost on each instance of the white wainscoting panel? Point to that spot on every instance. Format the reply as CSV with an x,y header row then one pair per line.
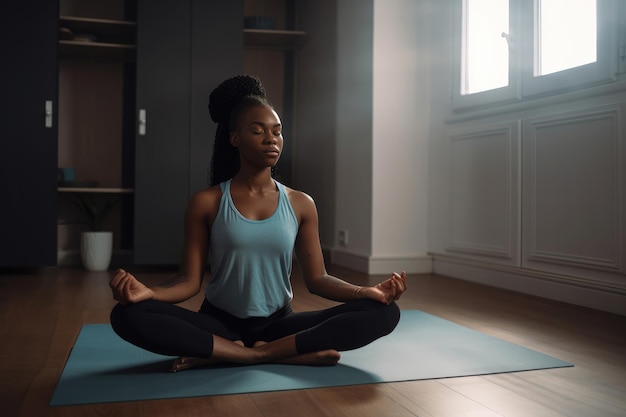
x,y
485,192
573,188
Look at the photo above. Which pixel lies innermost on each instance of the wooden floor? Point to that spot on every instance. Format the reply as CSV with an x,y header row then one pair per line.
x,y
42,312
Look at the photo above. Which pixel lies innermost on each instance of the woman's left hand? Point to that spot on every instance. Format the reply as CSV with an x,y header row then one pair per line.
x,y
389,290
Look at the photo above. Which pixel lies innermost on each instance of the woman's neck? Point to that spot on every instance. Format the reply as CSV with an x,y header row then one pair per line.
x,y
257,182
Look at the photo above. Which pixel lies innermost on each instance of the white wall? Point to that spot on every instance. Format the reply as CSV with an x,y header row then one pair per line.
x,y
414,179
315,113
379,131
529,196
353,198
401,115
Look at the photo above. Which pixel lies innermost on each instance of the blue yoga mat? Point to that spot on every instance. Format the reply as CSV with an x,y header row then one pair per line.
x,y
103,368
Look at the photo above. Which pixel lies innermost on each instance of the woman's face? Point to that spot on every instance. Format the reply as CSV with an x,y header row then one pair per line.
x,y
258,137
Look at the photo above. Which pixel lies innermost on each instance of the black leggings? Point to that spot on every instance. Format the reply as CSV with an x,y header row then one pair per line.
x,y
168,329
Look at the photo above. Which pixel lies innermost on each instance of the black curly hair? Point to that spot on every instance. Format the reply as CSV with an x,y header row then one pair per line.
x,y
226,103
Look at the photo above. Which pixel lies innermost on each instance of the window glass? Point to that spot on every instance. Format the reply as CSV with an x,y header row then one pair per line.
x,y
510,51
485,48
566,35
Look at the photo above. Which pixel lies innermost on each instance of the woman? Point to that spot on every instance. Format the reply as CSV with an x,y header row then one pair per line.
x,y
249,224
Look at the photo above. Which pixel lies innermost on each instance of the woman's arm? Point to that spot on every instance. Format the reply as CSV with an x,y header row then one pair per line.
x,y
311,260
187,283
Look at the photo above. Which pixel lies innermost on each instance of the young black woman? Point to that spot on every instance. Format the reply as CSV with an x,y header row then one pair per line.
x,y
247,225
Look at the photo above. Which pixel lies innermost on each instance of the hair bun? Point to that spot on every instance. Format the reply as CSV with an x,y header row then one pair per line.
x,y
226,95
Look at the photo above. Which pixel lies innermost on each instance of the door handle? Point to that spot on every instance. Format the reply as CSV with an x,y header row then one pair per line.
x,y
142,121
48,113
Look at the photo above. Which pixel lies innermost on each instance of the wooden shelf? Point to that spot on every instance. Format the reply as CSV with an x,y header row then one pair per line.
x,y
83,49
108,39
273,39
101,190
104,30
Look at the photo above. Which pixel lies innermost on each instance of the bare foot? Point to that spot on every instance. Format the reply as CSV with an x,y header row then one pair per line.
x,y
188,362
328,357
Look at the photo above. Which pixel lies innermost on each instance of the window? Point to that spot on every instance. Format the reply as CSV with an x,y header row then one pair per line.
x,y
509,50
565,37
485,53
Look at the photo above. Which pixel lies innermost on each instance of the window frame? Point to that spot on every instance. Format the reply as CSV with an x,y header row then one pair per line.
x,y
523,85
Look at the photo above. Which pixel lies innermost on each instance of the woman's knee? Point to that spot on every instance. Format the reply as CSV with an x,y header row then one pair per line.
x,y
123,316
386,316
116,314
392,312
119,318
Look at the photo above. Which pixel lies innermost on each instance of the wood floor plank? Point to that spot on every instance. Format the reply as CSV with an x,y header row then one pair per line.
x,y
572,394
56,351
41,313
95,410
498,398
223,406
351,401
280,404
431,397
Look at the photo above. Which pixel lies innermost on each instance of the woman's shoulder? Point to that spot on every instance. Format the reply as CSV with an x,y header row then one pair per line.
x,y
209,193
292,193
300,201
206,200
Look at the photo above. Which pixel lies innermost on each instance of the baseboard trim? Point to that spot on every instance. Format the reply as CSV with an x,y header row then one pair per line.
x,y
572,290
373,265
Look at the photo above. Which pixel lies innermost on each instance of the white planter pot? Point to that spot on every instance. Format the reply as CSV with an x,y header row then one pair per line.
x,y
96,249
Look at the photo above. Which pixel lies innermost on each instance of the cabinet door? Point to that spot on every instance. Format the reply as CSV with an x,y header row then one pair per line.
x,y
216,54
28,156
162,151
184,50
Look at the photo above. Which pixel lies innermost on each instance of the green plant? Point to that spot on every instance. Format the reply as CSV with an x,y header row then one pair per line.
x,y
93,212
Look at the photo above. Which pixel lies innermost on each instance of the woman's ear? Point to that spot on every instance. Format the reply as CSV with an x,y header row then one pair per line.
x,y
234,140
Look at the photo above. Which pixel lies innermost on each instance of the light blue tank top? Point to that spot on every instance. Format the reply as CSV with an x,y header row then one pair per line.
x,y
251,259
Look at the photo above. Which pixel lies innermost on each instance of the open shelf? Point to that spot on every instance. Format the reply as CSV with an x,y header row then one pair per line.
x,y
86,49
97,38
104,30
101,190
273,39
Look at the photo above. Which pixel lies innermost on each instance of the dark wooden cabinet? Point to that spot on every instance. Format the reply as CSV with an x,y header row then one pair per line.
x,y
184,50
28,150
165,56
162,141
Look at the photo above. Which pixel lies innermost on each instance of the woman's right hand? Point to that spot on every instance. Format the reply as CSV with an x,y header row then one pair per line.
x,y
127,289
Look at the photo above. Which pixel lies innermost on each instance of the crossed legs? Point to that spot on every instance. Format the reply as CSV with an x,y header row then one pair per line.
x,y
309,338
